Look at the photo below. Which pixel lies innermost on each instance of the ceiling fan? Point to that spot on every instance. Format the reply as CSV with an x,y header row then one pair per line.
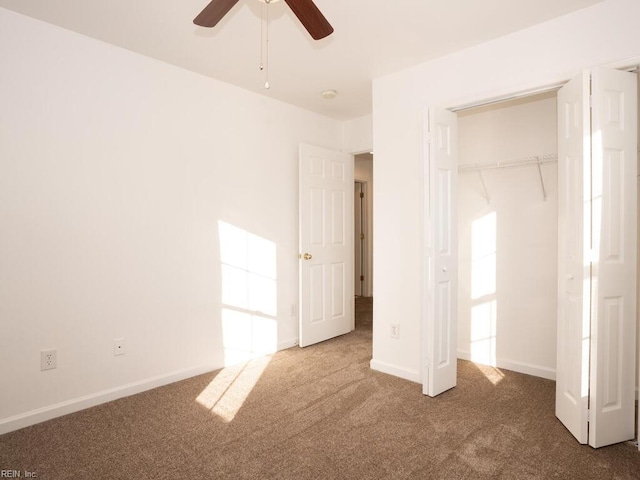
x,y
306,11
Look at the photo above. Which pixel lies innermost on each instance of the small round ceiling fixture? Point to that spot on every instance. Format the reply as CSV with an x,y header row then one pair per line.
x,y
268,1
329,94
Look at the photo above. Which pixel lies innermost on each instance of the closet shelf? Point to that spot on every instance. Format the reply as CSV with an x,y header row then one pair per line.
x,y
520,162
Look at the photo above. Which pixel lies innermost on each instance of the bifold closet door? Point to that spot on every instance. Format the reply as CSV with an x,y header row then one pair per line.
x,y
597,156
441,238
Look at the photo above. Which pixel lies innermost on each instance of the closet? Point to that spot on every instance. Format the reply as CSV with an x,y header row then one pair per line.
x,y
508,235
566,262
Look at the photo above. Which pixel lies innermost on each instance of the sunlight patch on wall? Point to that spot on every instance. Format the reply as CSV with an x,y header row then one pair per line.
x,y
231,387
483,333
249,294
484,313
483,255
246,336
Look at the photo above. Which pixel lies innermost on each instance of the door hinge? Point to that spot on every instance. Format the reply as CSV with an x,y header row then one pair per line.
x,y
588,415
362,236
362,278
361,194
590,101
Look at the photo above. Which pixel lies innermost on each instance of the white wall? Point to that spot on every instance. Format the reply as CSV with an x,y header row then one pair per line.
x,y
358,139
508,246
551,52
358,135
115,170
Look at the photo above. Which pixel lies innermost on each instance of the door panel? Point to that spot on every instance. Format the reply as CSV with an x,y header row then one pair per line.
x,y
338,285
614,167
597,250
316,294
574,270
326,236
441,235
338,215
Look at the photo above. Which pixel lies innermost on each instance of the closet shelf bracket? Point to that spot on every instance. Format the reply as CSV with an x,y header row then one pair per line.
x,y
484,186
544,190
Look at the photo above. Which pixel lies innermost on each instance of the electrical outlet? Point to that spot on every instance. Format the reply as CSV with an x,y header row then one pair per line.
x,y
48,360
395,330
118,347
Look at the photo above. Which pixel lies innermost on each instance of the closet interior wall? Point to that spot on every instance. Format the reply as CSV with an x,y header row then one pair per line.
x,y
508,218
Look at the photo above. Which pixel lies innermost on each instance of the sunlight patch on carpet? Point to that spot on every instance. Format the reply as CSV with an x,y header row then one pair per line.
x,y
231,387
493,374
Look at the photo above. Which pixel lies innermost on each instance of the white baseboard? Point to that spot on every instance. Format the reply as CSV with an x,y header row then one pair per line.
x,y
520,367
288,344
43,414
390,369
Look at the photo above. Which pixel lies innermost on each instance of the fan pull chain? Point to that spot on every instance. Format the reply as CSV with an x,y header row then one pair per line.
x,y
262,9
266,72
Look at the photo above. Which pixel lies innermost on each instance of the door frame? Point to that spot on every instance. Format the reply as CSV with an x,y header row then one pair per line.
x,y
501,95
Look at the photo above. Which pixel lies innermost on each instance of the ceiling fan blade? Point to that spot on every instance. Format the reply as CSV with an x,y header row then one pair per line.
x,y
214,12
311,18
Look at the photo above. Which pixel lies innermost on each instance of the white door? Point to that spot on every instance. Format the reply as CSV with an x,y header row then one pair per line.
x,y
441,235
326,244
574,266
597,157
613,346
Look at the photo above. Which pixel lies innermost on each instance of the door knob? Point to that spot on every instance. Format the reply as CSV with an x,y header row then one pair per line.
x,y
444,269
307,256
569,277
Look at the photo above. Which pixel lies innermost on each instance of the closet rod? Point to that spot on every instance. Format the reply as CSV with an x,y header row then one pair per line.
x,y
520,162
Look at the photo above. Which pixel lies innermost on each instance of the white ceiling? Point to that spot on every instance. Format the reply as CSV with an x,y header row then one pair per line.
x,y
371,38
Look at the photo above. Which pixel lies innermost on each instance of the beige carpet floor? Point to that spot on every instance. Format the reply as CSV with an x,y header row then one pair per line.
x,y
320,413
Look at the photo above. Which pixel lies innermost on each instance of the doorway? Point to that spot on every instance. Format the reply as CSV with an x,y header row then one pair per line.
x,y
363,225
363,229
